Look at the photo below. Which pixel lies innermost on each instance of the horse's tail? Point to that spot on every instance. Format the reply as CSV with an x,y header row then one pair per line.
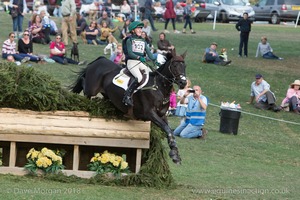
x,y
78,85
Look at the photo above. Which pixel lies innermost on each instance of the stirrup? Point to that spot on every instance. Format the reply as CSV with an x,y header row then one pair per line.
x,y
127,101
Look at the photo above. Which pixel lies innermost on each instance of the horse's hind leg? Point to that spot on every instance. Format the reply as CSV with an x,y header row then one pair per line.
x,y
174,153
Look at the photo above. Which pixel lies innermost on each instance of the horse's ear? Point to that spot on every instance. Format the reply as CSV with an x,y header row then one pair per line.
x,y
184,54
173,52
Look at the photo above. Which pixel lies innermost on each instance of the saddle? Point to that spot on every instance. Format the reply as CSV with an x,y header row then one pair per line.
x,y
124,78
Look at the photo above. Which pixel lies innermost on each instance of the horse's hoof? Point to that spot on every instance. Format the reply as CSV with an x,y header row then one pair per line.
x,y
174,156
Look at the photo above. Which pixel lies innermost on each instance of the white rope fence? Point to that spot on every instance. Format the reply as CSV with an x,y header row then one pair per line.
x,y
261,116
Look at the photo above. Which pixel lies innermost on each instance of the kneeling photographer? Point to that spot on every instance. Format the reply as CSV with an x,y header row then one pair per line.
x,y
192,127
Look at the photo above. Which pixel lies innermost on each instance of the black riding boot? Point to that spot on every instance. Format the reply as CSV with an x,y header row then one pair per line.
x,y
127,100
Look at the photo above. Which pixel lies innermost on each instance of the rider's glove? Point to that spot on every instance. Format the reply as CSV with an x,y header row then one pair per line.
x,y
142,59
157,64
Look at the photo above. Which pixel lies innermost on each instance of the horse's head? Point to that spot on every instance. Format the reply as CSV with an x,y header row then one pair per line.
x,y
176,67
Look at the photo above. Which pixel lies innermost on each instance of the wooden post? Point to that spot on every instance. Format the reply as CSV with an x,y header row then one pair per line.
x,y
12,154
76,158
138,160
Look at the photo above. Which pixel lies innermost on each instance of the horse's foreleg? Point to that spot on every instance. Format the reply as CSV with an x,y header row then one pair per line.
x,y
162,123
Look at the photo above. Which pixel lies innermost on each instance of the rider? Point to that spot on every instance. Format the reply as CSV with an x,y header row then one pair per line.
x,y
135,53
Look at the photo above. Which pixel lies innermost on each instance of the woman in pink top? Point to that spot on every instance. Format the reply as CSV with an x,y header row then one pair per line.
x,y
173,103
293,97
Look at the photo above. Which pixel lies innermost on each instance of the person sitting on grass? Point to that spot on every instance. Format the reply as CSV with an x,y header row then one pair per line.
x,y
264,97
58,51
293,97
9,50
192,127
106,34
211,56
91,33
265,50
25,47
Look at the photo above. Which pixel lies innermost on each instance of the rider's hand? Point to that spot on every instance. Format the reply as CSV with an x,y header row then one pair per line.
x,y
142,59
157,64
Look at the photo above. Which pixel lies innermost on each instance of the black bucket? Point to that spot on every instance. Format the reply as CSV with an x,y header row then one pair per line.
x,y
229,121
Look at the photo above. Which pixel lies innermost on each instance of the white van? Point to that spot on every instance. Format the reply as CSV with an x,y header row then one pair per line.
x,y
228,10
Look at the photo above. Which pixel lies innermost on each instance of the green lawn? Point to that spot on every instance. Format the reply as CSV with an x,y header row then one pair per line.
x,y
261,162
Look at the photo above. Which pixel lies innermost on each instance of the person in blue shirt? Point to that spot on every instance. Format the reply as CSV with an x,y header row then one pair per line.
x,y
192,127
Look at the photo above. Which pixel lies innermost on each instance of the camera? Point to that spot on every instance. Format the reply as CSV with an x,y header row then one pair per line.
x,y
191,91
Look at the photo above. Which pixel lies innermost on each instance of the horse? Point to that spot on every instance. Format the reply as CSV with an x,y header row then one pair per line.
x,y
150,103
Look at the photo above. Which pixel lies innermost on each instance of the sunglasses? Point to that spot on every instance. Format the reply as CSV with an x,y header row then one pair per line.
x,y
12,36
58,38
26,34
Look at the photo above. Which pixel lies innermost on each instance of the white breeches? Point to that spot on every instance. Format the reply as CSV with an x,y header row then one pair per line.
x,y
134,66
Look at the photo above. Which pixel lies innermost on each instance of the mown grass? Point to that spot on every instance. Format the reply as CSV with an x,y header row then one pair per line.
x,y
261,162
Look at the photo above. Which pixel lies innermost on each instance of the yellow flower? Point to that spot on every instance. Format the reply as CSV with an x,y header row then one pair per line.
x,y
124,165
34,155
112,158
119,159
115,163
28,155
96,154
104,158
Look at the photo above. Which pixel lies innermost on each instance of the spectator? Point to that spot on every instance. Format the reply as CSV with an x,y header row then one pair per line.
x,y
292,97
265,50
25,47
93,10
211,55
159,11
125,30
20,7
187,16
57,9
264,98
148,13
125,10
106,19
108,7
170,15
173,103
179,12
244,26
46,26
81,24
9,50
181,107
68,11
163,47
118,56
85,6
91,34
106,34
192,127
148,42
58,51
147,28
36,30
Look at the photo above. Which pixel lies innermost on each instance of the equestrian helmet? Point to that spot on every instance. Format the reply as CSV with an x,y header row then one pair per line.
x,y
135,24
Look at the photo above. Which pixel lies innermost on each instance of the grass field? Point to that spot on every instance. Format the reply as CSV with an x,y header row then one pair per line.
x,y
261,162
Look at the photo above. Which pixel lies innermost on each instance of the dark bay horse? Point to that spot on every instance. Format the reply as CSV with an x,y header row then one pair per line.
x,y
150,103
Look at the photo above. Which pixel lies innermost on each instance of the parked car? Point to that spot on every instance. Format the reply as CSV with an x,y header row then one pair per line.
x,y
275,11
228,10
